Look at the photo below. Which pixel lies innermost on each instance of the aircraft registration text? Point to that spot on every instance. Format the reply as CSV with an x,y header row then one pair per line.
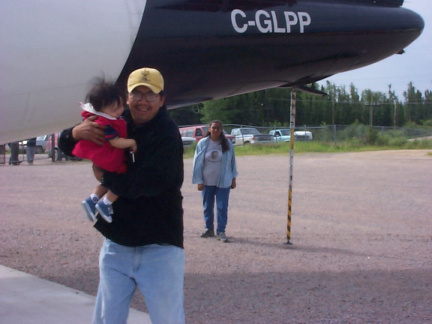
x,y
269,22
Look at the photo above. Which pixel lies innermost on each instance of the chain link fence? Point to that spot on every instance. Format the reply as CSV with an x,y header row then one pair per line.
x,y
379,135
361,134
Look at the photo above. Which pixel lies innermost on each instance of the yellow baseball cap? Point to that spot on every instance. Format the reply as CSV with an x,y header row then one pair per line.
x,y
146,77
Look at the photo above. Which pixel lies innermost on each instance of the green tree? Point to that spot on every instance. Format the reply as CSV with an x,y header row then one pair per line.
x,y
341,106
188,115
413,104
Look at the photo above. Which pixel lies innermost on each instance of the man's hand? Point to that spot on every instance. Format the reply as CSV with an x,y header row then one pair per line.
x,y
201,187
89,130
134,147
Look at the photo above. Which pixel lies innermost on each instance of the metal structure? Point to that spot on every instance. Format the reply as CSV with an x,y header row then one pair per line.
x,y
290,183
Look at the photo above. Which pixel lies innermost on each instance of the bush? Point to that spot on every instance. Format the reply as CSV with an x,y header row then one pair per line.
x,y
324,134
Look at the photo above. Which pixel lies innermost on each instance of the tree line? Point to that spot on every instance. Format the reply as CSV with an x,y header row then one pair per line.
x,y
341,106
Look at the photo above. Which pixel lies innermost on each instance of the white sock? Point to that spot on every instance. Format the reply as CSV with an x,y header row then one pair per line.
x,y
95,198
106,201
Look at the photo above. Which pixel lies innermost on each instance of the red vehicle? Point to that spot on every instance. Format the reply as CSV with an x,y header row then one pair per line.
x,y
200,131
50,149
58,155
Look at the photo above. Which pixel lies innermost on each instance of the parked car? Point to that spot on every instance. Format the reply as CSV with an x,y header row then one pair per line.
x,y
49,148
196,131
249,135
41,143
280,135
284,135
199,131
58,155
22,145
230,137
303,135
188,141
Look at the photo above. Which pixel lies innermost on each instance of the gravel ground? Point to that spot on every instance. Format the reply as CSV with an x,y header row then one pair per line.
x,y
361,234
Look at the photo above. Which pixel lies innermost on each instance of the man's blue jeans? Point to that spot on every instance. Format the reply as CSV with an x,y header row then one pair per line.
x,y
222,196
158,271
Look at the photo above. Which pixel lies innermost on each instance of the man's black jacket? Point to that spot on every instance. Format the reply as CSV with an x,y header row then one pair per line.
x,y
149,209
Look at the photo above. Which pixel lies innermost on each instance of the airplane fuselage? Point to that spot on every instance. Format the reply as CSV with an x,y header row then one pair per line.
x,y
204,49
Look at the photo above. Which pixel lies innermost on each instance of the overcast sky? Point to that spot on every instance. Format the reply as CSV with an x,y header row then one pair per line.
x,y
398,70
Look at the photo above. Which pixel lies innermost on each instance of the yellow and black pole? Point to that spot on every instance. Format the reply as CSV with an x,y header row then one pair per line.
x,y
292,128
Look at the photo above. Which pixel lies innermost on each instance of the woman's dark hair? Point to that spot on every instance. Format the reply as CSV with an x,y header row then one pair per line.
x,y
104,93
224,141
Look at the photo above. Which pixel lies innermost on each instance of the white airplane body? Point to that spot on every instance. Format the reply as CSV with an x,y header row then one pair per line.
x,y
50,50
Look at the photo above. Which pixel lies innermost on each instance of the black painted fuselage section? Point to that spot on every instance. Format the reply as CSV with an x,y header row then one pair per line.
x,y
214,49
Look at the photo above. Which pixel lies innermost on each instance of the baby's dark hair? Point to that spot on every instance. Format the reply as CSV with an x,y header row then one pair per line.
x,y
104,93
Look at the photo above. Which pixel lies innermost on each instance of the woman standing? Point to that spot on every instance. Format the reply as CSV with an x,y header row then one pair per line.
x,y
215,172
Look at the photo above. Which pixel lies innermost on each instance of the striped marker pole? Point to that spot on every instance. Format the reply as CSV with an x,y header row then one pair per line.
x,y
292,128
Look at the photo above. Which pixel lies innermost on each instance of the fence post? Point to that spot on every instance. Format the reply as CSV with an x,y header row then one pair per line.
x,y
334,134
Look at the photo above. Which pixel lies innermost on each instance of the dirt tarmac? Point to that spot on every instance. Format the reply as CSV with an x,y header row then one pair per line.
x,y
361,233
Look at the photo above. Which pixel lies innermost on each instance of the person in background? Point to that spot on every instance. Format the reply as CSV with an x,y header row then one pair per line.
x,y
106,103
13,159
61,154
31,150
215,172
144,243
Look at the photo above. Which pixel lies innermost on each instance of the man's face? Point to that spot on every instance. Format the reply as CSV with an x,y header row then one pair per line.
x,y
144,104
